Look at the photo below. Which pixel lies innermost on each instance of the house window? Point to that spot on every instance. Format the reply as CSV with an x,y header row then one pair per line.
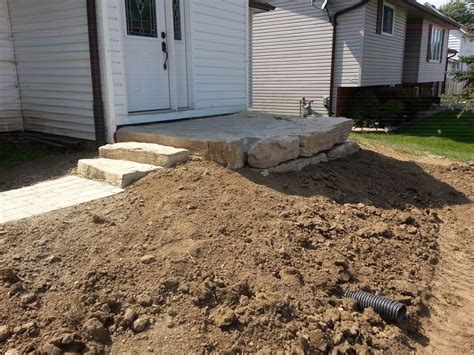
x,y
141,18
177,19
388,19
435,44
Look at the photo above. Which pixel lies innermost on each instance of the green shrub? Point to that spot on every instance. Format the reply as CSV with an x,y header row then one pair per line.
x,y
392,113
365,109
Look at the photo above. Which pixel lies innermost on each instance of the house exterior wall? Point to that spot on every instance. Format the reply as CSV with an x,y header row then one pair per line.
x,y
349,48
10,106
218,44
383,55
411,62
428,71
461,43
291,57
53,62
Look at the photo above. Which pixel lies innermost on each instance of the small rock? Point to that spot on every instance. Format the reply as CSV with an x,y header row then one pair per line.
x,y
225,317
95,330
4,333
50,349
318,340
140,325
148,259
12,352
145,300
129,316
28,298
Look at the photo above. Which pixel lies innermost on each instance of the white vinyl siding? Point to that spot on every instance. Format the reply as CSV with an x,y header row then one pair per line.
x,y
53,62
10,108
220,53
383,56
347,72
431,71
291,57
219,60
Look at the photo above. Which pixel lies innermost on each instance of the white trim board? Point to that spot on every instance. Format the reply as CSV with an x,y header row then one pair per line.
x,y
171,116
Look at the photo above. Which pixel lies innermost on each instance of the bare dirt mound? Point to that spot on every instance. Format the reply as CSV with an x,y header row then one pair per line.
x,y
450,326
202,259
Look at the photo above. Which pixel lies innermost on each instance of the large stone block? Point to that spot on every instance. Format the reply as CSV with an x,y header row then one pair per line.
x,y
324,138
231,154
297,164
270,152
119,173
145,153
343,150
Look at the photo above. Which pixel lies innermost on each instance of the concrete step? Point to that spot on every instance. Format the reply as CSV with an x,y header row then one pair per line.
x,y
145,153
121,173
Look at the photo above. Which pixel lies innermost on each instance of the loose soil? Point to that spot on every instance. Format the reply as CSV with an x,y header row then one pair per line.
x,y
203,259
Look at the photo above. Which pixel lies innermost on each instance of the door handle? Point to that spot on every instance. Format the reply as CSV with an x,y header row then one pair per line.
x,y
164,48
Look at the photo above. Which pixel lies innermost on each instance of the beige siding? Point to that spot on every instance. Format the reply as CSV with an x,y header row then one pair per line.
x,y
291,57
10,109
348,50
383,55
431,72
52,52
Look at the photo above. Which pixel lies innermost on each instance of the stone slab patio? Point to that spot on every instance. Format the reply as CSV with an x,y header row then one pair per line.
x,y
259,140
50,196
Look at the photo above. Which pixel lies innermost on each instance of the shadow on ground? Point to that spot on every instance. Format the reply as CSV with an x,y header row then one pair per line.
x,y
367,177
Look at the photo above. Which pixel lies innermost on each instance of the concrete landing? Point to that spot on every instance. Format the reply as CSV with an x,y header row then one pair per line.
x,y
260,140
119,173
145,153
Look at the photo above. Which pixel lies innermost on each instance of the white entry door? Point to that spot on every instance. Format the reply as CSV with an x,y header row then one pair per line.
x,y
146,55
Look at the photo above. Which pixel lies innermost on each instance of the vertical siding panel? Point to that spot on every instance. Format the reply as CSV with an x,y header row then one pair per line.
x,y
411,62
383,54
10,108
52,52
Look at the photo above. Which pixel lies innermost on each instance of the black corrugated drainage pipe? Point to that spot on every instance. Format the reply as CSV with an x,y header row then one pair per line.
x,y
386,307
334,39
98,104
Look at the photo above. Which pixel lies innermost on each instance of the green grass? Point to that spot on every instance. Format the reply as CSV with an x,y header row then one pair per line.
x,y
442,135
20,152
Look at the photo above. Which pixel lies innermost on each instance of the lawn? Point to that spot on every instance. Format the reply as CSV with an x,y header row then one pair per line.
x,y
442,135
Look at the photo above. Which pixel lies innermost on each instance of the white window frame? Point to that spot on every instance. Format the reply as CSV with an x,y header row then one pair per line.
x,y
436,57
385,4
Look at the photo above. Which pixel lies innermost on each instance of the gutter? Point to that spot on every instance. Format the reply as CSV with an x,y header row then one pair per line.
x,y
98,100
333,57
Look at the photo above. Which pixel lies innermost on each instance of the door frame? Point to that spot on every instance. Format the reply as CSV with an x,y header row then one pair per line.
x,y
188,10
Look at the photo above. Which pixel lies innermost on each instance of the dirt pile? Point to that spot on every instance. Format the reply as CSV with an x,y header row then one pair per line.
x,y
204,259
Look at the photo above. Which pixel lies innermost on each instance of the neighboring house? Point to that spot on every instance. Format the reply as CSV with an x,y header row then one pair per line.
x,y
459,42
81,68
328,50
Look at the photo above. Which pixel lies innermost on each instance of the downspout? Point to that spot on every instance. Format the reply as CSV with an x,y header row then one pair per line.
x,y
333,57
98,101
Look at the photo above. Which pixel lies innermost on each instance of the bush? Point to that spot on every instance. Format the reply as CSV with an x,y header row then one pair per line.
x,y
365,109
392,113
